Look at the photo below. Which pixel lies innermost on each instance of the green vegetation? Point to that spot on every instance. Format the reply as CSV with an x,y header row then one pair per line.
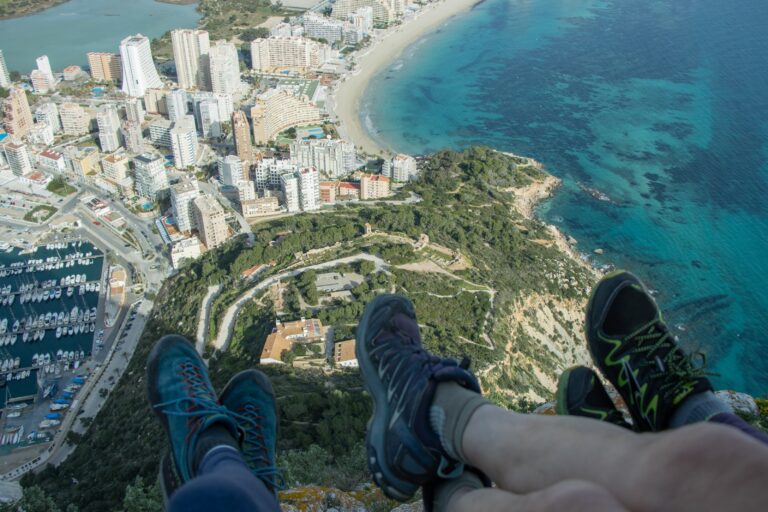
x,y
225,19
60,187
17,8
250,34
322,416
40,213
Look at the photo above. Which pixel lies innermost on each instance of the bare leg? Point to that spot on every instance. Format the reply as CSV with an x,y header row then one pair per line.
x,y
700,467
573,496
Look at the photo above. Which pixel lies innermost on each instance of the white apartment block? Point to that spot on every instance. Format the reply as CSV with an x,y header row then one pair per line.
x,y
44,66
383,11
5,77
75,120
41,82
188,248
403,168
41,133
184,142
115,167
191,50
139,72
134,110
151,178
334,158
210,220
284,29
320,27
225,68
268,172
133,136
51,161
211,111
17,156
276,111
182,196
231,170
309,189
246,191
289,185
291,53
176,104
259,207
108,122
49,113
160,132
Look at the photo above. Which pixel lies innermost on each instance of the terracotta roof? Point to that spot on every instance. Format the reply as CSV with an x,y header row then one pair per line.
x,y
274,346
344,351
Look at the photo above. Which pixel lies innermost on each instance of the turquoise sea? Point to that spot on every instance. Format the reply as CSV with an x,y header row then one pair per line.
x,y
68,31
661,104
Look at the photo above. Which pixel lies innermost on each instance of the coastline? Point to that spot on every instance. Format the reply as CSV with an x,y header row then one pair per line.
x,y
386,48
34,10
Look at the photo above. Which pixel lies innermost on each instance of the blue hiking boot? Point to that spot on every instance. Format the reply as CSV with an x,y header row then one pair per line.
x,y
403,451
182,397
249,395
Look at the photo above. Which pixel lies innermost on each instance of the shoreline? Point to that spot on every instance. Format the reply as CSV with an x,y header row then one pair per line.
x,y
385,49
34,10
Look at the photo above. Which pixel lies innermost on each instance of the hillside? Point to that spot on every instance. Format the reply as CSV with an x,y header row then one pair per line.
x,y
489,282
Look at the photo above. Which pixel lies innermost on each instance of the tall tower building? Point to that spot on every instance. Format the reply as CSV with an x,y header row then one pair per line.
x,y
18,117
139,73
211,224
151,178
190,53
134,111
133,136
176,103
182,196
5,77
225,68
17,154
184,142
74,119
44,66
242,134
108,121
231,170
105,67
309,188
49,113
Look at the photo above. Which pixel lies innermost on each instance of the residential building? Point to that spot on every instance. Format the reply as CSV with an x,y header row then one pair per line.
x,y
134,110
242,134
81,162
403,168
362,19
5,77
41,82
44,66
72,73
260,207
306,330
115,167
333,158
75,120
184,142
374,186
246,191
154,101
18,117
275,347
287,53
160,132
139,73
190,53
212,112
289,185
51,161
268,172
176,104
225,68
41,133
17,156
188,248
211,224
231,170
276,111
48,113
317,26
105,67
328,192
133,136
284,29
309,189
151,178
381,9
344,354
108,122
182,196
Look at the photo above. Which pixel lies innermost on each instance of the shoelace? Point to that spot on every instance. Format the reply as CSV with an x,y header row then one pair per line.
x,y
200,401
255,447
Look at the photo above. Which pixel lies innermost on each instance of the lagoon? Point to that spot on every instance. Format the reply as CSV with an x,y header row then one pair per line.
x,y
68,31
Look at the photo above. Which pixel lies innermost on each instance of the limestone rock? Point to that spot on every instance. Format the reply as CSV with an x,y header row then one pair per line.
x,y
740,402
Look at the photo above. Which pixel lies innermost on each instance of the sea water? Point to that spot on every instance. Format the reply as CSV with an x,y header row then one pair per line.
x,y
660,105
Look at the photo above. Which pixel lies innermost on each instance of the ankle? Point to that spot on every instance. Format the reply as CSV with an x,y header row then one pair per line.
x,y
697,408
450,413
215,436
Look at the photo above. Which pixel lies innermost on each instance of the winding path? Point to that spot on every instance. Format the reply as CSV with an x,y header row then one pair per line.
x,y
205,315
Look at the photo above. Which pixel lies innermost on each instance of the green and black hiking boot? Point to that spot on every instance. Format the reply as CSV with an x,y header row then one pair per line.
x,y
580,393
632,346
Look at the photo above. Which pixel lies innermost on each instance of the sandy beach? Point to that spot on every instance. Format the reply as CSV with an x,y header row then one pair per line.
x,y
387,47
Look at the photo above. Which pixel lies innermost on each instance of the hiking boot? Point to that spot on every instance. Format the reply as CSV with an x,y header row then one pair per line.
x,y
168,477
184,401
632,346
249,395
403,450
580,393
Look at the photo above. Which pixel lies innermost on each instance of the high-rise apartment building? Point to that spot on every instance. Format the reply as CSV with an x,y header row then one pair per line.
x,y
319,27
154,101
151,178
41,82
184,142
133,136
190,53
48,113
403,168
211,111
105,67
115,167
81,162
289,186
267,172
108,122
134,111
334,158
278,110
210,220
17,156
231,170
225,68
176,103
41,133
374,186
183,194
5,77
44,66
383,11
309,188
139,71
242,135
18,117
292,53
74,119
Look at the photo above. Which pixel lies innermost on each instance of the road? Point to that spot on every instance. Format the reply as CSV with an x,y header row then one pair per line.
x,y
205,314
224,333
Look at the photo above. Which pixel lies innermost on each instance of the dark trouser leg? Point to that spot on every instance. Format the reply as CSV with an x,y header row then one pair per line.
x,y
734,421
